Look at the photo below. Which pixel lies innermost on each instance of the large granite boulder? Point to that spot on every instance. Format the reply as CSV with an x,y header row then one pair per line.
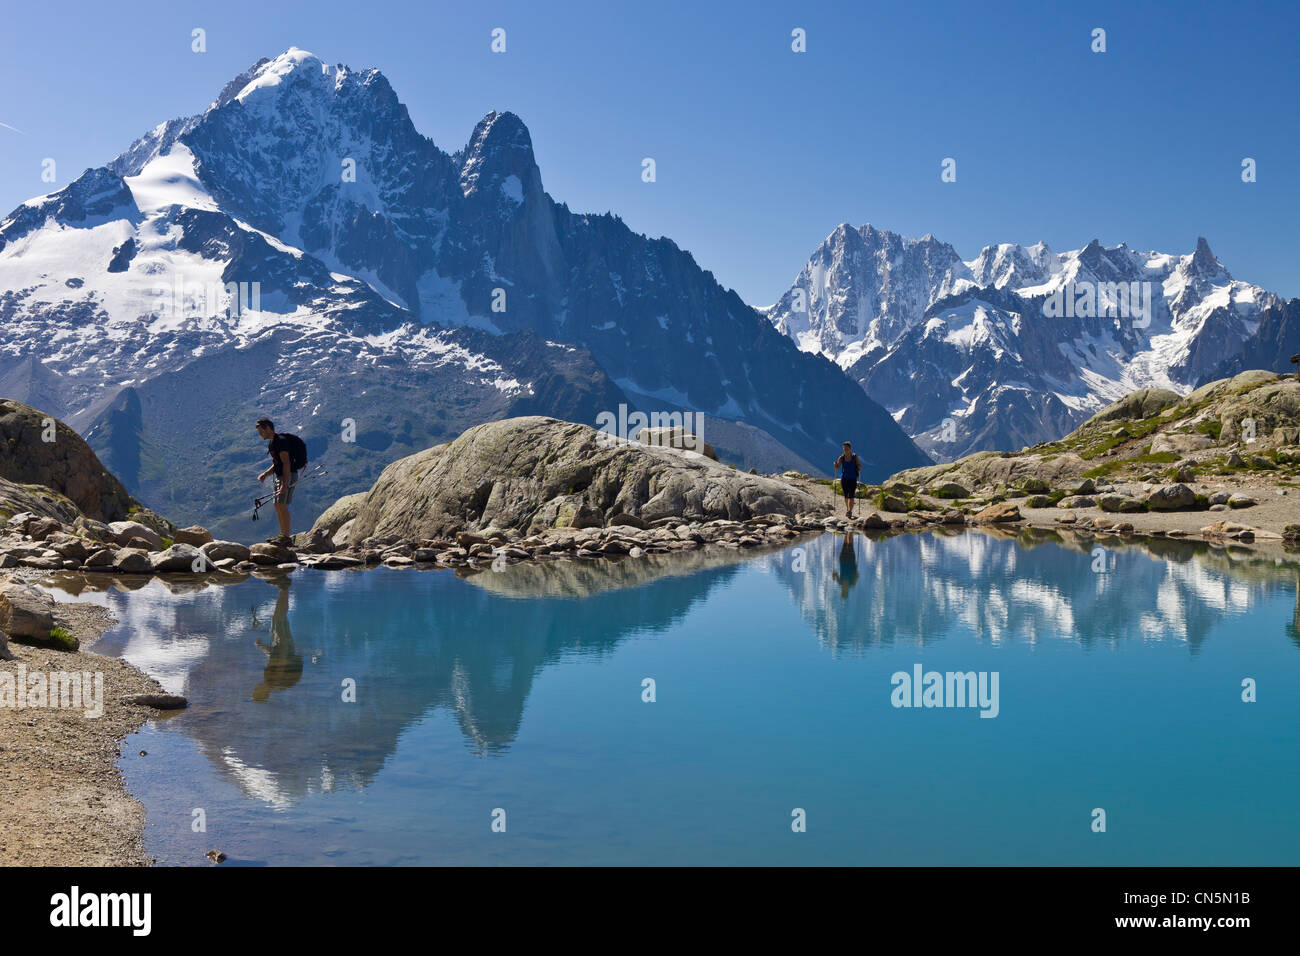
x,y
1171,498
997,513
990,468
124,532
25,612
130,561
222,550
179,557
194,534
37,449
267,553
534,473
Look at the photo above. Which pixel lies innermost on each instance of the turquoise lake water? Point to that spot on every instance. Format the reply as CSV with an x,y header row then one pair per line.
x,y
1119,678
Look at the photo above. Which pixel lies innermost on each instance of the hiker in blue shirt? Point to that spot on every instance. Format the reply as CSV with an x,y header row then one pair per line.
x,y
848,465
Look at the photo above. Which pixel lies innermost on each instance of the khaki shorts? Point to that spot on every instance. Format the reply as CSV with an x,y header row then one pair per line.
x,y
284,490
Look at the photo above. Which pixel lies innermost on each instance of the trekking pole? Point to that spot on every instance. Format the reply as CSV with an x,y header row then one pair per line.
x,y
260,501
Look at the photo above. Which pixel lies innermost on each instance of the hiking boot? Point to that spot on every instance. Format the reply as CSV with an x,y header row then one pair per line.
x,y
281,539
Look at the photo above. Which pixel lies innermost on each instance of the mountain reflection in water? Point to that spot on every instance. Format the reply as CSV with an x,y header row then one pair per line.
x,y
267,662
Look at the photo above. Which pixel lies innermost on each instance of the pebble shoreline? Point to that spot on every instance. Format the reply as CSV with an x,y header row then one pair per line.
x,y
31,545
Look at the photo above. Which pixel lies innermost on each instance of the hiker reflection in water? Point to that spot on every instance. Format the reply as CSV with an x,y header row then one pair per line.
x,y
284,663
847,575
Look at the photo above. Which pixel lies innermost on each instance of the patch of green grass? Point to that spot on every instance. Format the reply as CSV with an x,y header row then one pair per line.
x,y
62,638
1160,457
1211,428
1132,430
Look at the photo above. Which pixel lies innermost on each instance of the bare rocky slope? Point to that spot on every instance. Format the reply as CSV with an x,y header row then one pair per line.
x,y
1151,463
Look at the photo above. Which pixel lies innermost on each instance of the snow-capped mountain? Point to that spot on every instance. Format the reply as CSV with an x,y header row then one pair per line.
x,y
300,250
1020,344
863,288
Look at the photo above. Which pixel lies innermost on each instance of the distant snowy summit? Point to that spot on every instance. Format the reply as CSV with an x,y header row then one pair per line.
x,y
1020,344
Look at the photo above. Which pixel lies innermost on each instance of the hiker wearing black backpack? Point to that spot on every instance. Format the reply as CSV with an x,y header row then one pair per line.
x,y
288,457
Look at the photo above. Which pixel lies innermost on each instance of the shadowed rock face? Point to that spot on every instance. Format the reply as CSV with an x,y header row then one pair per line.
x,y
65,465
533,473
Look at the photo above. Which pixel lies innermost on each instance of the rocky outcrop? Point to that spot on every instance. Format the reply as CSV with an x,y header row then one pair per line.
x,y
1146,432
985,469
531,474
62,510
37,449
1143,403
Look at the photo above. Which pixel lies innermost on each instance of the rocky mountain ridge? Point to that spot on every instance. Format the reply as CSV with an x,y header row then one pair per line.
x,y
1018,345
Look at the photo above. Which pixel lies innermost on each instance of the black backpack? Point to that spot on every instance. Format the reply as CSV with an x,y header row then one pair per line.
x,y
297,449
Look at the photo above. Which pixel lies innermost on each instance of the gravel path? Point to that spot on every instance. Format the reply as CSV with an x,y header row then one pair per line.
x,y
65,803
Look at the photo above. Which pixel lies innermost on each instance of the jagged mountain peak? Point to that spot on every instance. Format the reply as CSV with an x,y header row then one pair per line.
x,y
1017,331
1093,252
499,147
1009,264
1204,262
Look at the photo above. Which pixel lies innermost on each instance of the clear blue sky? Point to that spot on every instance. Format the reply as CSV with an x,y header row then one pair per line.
x,y
761,152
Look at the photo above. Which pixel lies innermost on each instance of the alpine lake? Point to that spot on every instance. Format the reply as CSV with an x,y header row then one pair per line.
x,y
955,699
